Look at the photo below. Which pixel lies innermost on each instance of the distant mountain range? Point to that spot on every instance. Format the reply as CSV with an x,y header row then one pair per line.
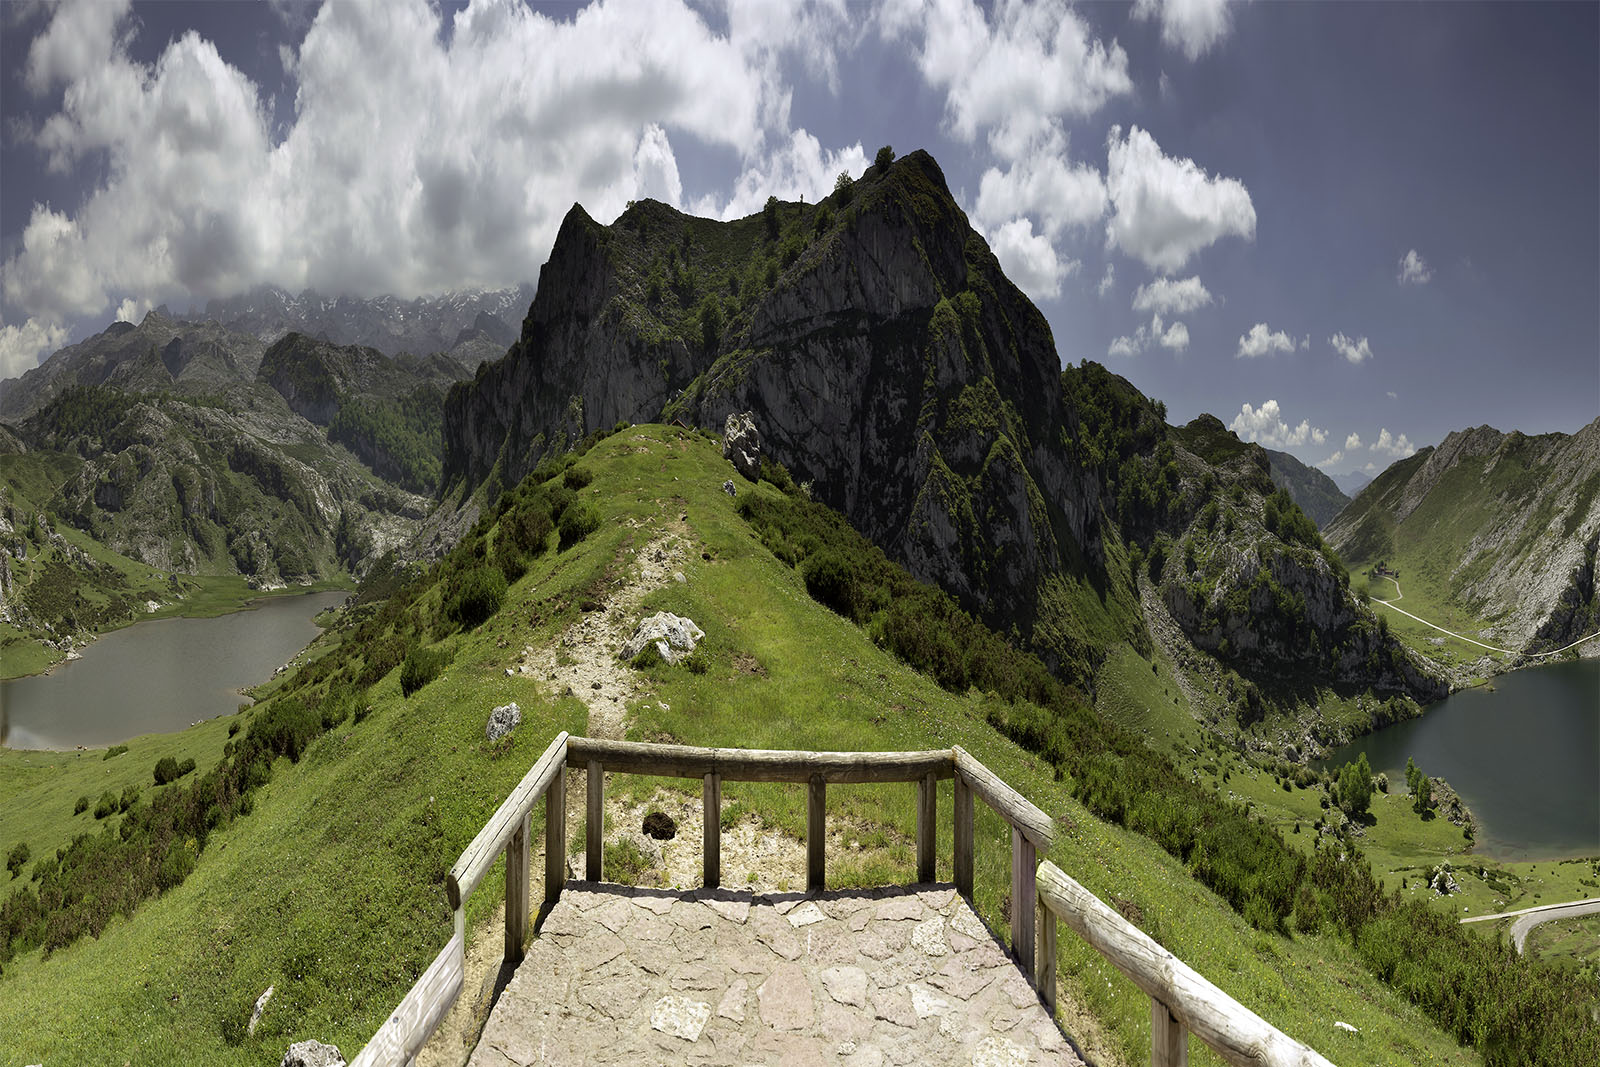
x,y
471,325
1351,483
1317,494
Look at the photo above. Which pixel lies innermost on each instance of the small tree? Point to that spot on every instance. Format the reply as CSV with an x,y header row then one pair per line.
x,y
844,188
710,322
19,855
884,157
1355,786
769,213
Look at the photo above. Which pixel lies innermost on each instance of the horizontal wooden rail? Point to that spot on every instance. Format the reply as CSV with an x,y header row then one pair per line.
x,y
1012,806
402,1036
760,765
1182,1000
507,820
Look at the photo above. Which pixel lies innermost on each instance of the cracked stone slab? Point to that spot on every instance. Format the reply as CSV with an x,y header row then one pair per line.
x,y
680,1017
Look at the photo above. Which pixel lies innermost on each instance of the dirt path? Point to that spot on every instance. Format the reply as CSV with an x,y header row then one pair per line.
x,y
1398,596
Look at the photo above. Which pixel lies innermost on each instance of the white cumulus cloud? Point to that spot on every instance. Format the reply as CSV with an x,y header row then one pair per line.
x,y
1329,463
21,347
1108,281
1414,270
1352,442
1011,73
1352,350
428,150
1389,445
1165,209
1265,425
1174,336
1030,260
1191,26
1262,341
1168,297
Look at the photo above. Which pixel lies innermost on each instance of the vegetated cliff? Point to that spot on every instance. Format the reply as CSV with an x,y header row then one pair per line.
x,y
891,365
1501,524
1316,493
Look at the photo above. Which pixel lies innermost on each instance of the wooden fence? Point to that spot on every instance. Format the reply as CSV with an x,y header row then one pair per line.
x,y
1183,1001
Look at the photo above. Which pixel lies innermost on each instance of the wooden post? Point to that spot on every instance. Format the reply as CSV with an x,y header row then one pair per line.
x,y
963,835
1169,1044
595,819
555,836
816,833
927,823
517,889
1046,968
1023,896
711,860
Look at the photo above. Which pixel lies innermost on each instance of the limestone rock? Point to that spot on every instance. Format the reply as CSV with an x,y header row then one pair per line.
x,y
674,637
729,488
261,1006
312,1054
503,720
742,444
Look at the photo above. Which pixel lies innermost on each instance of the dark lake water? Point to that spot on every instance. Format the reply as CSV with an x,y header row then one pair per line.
x,y
1525,758
154,677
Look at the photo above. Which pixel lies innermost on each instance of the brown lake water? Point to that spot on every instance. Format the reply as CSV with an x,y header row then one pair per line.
x,y
158,676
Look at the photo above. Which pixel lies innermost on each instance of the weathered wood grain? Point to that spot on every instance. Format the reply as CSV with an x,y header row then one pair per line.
x,y
555,835
1012,806
711,839
1234,1032
487,845
406,1030
816,834
762,765
594,822
927,826
963,836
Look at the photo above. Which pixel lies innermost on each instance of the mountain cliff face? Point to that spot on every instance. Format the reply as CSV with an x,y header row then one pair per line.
x,y
892,367
1501,524
1316,493
887,358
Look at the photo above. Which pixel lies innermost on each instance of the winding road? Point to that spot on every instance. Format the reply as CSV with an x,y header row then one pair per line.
x,y
1398,595
1528,918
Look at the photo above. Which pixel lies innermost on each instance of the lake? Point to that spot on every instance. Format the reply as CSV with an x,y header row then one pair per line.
x,y
1525,758
158,676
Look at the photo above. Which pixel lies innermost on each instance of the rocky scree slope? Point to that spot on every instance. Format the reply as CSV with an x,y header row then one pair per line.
x,y
1502,524
889,364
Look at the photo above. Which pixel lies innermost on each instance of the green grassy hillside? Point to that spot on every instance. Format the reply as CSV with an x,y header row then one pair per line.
x,y
327,881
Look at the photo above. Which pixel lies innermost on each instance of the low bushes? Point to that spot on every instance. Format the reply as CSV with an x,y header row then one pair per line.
x,y
170,770
421,666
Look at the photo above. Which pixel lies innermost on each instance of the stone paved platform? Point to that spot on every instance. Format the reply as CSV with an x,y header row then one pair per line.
x,y
715,977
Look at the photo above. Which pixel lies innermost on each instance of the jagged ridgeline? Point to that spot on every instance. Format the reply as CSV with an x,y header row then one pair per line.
x,y
1502,527
890,364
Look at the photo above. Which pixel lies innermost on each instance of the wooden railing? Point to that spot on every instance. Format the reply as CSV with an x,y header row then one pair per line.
x,y
1181,1000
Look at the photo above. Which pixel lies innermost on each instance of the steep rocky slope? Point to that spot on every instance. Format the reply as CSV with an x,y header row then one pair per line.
x,y
1502,525
1316,493
892,367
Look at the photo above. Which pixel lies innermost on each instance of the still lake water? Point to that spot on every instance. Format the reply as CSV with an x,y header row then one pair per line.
x,y
1525,758
158,676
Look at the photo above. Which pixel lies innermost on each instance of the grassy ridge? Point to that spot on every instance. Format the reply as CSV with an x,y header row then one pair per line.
x,y
331,887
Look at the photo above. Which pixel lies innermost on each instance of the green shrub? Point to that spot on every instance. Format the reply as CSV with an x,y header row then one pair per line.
x,y
421,666
130,797
477,597
510,562
166,770
578,522
884,157
107,805
115,750
778,475
17,857
529,528
576,478
831,582
647,657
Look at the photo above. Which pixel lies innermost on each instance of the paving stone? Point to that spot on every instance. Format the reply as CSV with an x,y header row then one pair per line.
x,y
928,937
897,908
731,1006
847,985
805,915
793,980
680,1017
786,1002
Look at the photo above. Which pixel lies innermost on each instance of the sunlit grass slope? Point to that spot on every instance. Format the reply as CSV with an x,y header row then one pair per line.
x,y
331,888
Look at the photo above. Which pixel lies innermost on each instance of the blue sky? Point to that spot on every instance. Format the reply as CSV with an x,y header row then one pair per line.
x,y
1345,229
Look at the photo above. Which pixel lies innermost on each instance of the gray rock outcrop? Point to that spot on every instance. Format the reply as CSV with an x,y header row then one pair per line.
x,y
312,1054
502,721
741,444
674,637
